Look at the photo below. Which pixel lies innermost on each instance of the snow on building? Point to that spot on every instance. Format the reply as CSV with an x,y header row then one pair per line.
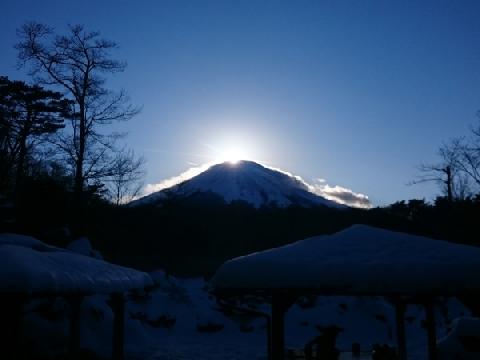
x,y
360,260
30,268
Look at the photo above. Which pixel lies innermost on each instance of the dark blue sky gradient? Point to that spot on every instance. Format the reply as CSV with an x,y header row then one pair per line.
x,y
355,92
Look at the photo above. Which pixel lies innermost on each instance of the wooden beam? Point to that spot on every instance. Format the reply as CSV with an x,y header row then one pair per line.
x,y
11,309
269,338
278,329
400,308
118,341
280,304
75,302
431,330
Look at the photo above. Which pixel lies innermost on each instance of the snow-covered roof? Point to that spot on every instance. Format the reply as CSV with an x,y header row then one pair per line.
x,y
358,260
21,240
29,266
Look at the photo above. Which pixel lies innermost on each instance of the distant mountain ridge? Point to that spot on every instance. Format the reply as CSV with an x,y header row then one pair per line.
x,y
244,181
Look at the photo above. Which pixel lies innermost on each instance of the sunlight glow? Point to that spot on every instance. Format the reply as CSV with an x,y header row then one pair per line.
x,y
231,149
232,155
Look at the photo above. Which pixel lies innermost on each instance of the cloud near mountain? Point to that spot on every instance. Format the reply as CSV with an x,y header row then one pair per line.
x,y
340,194
175,180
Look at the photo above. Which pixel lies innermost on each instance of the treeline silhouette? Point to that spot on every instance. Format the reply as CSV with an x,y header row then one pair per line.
x,y
195,240
191,239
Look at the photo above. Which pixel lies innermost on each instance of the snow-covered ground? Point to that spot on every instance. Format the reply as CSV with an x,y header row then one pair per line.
x,y
166,322
363,320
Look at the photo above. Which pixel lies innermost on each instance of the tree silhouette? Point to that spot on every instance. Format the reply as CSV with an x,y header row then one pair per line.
x,y
28,113
125,181
447,172
77,62
468,155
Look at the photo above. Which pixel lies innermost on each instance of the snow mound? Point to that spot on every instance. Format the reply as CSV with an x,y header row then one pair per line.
x,y
245,181
359,260
83,246
29,266
463,342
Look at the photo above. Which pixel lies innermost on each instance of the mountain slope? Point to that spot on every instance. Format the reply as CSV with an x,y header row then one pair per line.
x,y
245,181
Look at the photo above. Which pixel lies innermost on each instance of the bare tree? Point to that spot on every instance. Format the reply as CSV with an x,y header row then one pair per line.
x,y
126,179
447,172
468,157
77,62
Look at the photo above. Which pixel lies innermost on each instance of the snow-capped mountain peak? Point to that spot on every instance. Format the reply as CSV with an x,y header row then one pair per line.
x,y
245,181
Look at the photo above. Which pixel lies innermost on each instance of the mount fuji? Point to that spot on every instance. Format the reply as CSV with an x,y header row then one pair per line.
x,y
242,181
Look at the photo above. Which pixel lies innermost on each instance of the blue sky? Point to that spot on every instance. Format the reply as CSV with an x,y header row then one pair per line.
x,y
354,92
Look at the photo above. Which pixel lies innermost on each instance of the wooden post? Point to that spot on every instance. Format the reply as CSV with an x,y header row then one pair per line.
x,y
269,338
118,307
280,304
11,307
75,302
400,308
431,330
